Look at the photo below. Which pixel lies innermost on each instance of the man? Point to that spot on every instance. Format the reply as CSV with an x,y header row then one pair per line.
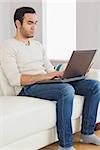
x,y
25,63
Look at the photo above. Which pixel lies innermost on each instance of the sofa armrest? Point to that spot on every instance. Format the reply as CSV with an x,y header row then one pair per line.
x,y
93,74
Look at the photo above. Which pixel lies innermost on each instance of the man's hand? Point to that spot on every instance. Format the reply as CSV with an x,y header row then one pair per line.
x,y
52,75
31,79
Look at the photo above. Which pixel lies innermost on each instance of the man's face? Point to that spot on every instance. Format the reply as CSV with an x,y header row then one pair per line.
x,y
28,27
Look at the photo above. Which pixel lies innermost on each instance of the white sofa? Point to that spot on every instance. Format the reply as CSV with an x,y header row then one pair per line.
x,y
29,123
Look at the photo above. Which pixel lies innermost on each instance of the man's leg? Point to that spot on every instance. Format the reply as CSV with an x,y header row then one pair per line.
x,y
90,89
64,95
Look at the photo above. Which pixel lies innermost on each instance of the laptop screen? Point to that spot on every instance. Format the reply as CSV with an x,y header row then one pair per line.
x,y
79,63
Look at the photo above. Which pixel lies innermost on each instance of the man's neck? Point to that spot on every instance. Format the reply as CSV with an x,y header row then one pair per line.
x,y
22,39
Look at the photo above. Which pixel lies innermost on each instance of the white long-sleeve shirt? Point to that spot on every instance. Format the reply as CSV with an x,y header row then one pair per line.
x,y
19,58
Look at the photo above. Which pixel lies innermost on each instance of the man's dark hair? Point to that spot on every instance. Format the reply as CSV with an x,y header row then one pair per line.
x,y
20,12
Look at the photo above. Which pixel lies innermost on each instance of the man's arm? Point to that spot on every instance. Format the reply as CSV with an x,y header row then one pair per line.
x,y
15,78
31,79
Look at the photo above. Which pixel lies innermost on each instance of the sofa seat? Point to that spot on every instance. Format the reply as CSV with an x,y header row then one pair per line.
x,y
21,116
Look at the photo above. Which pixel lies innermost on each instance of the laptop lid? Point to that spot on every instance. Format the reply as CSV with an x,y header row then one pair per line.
x,y
79,63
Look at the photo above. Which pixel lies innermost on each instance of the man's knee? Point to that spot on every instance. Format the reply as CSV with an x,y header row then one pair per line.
x,y
66,89
96,86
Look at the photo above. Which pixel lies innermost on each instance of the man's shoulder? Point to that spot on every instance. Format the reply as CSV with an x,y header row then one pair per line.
x,y
9,45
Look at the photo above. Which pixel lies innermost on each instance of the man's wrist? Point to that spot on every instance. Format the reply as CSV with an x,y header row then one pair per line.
x,y
42,77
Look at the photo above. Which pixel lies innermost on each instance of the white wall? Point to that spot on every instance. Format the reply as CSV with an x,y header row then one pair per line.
x,y
98,35
7,9
88,27
4,20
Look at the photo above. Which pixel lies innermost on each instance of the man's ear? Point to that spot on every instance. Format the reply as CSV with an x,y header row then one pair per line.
x,y
18,24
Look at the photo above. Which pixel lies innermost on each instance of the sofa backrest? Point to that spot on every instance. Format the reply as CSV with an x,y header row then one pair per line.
x,y
5,88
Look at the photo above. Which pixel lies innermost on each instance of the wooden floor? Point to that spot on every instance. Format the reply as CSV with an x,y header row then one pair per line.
x,y
77,144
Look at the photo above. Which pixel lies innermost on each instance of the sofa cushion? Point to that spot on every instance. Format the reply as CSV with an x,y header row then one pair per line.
x,y
5,88
24,116
77,106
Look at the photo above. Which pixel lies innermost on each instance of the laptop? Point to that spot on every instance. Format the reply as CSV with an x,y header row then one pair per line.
x,y
77,67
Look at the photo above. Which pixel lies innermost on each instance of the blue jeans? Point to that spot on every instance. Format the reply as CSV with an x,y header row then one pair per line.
x,y
63,94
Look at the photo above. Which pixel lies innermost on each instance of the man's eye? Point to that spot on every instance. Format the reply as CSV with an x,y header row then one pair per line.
x,y
29,23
